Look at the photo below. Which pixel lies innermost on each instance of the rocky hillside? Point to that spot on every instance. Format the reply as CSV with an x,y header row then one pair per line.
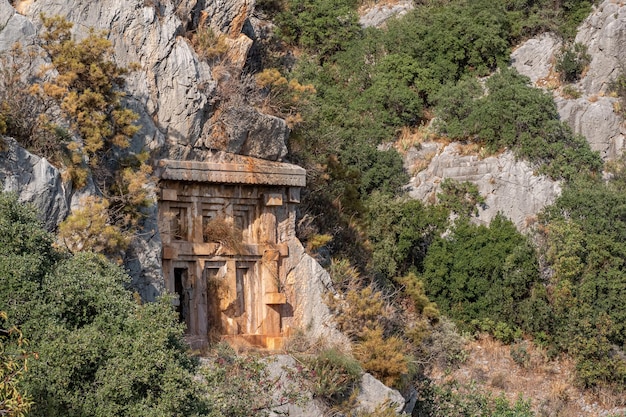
x,y
511,186
388,108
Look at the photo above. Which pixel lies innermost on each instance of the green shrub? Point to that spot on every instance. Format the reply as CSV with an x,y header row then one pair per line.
x,y
519,117
479,272
323,27
99,351
462,198
332,374
571,62
400,232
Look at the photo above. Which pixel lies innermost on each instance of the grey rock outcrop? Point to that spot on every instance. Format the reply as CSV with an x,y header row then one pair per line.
x,y
509,186
229,16
35,181
174,90
535,57
378,14
592,115
604,34
13,26
307,295
594,118
372,392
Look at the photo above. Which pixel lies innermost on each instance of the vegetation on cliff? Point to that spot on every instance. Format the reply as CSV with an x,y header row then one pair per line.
x,y
402,268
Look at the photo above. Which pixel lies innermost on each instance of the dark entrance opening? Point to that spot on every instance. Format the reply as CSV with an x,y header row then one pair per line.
x,y
180,281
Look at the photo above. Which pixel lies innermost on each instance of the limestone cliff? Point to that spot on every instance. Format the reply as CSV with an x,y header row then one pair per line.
x,y
592,114
187,107
511,186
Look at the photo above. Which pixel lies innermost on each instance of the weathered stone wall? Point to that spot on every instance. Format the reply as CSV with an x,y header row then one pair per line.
x,y
509,186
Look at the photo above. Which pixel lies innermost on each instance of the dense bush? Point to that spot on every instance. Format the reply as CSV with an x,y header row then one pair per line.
x,y
571,62
400,232
99,351
320,26
479,272
512,114
585,246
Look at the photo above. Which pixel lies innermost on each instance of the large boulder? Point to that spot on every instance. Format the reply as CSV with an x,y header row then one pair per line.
x,y
307,286
535,57
35,181
372,393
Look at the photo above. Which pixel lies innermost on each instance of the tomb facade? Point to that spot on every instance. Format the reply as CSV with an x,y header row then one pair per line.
x,y
224,226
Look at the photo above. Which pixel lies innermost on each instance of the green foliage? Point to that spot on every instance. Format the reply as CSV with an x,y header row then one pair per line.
x,y
451,39
400,232
462,198
479,272
516,116
321,26
571,62
26,255
585,247
455,400
531,17
100,353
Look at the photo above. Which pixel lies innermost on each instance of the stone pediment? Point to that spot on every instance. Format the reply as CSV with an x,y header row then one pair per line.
x,y
224,168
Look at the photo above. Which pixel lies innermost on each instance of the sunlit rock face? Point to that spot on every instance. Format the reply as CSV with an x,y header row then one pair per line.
x,y
592,114
36,181
509,186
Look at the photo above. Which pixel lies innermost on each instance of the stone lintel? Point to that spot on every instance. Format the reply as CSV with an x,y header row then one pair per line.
x,y
184,248
239,170
169,252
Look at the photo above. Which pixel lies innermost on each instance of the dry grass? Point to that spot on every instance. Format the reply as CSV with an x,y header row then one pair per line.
x,y
469,148
422,163
411,137
548,383
220,230
551,81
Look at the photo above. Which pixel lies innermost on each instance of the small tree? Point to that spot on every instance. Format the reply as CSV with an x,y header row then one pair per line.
x,y
572,61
